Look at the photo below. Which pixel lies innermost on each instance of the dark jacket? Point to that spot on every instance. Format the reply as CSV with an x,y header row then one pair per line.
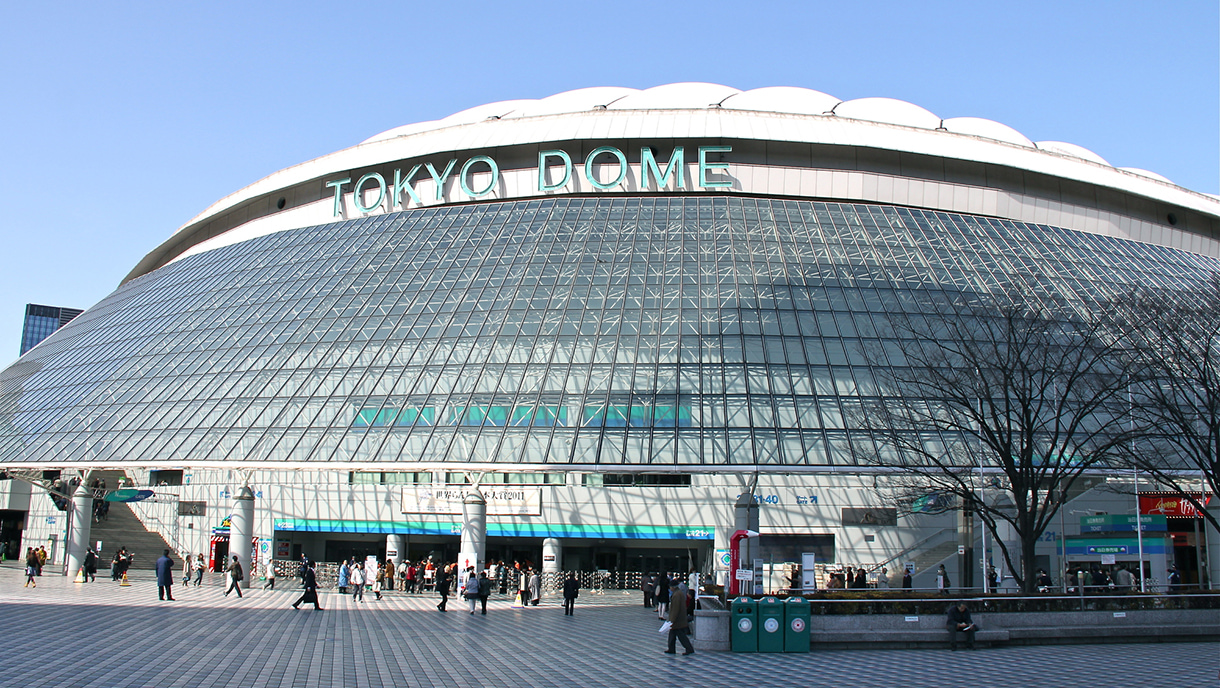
x,y
442,584
311,580
957,616
677,611
165,570
571,589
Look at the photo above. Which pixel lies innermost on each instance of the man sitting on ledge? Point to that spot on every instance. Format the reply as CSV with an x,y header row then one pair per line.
x,y
959,621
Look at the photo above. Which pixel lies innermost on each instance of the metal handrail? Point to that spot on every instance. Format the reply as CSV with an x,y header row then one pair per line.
x,y
912,548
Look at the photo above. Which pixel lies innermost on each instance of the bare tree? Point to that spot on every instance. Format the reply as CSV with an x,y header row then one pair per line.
x,y
1027,391
1176,337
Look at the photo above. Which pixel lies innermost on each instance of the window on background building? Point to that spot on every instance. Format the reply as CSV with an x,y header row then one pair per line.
x,y
636,480
388,478
456,478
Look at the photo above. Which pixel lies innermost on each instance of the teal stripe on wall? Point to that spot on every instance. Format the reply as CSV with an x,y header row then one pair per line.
x,y
497,529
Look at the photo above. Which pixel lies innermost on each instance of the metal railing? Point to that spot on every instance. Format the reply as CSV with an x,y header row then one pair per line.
x,y
159,514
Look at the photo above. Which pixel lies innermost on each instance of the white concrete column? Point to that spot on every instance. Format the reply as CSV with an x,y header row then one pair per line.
x,y
552,555
474,531
396,548
82,521
241,531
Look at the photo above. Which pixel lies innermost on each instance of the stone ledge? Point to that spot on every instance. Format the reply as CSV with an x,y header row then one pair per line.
x,y
1033,628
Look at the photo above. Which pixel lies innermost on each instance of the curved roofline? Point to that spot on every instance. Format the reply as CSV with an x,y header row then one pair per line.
x,y
878,123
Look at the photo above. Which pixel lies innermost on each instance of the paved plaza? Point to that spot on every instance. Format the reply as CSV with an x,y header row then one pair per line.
x,y
100,634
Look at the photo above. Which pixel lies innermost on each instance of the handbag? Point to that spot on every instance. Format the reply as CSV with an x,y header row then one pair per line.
x,y
665,627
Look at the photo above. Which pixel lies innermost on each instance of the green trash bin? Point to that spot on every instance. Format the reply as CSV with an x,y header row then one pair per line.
x,y
770,625
744,617
796,625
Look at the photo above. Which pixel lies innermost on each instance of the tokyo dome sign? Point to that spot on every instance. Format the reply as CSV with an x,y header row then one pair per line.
x,y
605,167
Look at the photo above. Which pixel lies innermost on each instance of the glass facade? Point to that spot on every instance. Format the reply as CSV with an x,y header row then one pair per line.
x,y
648,331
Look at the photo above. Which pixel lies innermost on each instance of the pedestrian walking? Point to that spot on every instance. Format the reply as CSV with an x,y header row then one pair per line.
x,y
571,590
270,575
311,588
235,577
165,577
188,563
485,585
378,580
356,579
679,625
443,580
31,568
648,587
471,589
663,596
199,567
389,575
91,566
409,583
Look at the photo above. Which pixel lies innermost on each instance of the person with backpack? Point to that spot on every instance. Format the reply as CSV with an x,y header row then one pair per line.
x,y
235,577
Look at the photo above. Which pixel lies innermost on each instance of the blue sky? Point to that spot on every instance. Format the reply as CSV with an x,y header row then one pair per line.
x,y
121,121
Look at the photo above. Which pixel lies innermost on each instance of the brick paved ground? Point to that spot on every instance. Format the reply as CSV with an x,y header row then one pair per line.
x,y
99,634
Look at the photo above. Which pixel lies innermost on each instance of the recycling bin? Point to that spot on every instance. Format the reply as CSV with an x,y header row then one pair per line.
x,y
796,625
770,625
744,617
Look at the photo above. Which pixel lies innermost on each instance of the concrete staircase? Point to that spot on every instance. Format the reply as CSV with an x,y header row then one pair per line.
x,y
122,529
928,559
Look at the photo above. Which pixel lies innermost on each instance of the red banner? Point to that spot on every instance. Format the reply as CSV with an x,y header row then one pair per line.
x,y
1170,506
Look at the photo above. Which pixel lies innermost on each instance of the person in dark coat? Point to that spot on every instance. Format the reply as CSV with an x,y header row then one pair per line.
x,y
906,579
311,588
91,565
679,625
571,590
165,577
485,584
442,587
959,621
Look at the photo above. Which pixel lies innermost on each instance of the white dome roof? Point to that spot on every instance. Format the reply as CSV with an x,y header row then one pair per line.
x,y
1073,150
771,99
986,128
575,101
784,99
675,97
1145,173
888,111
795,116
